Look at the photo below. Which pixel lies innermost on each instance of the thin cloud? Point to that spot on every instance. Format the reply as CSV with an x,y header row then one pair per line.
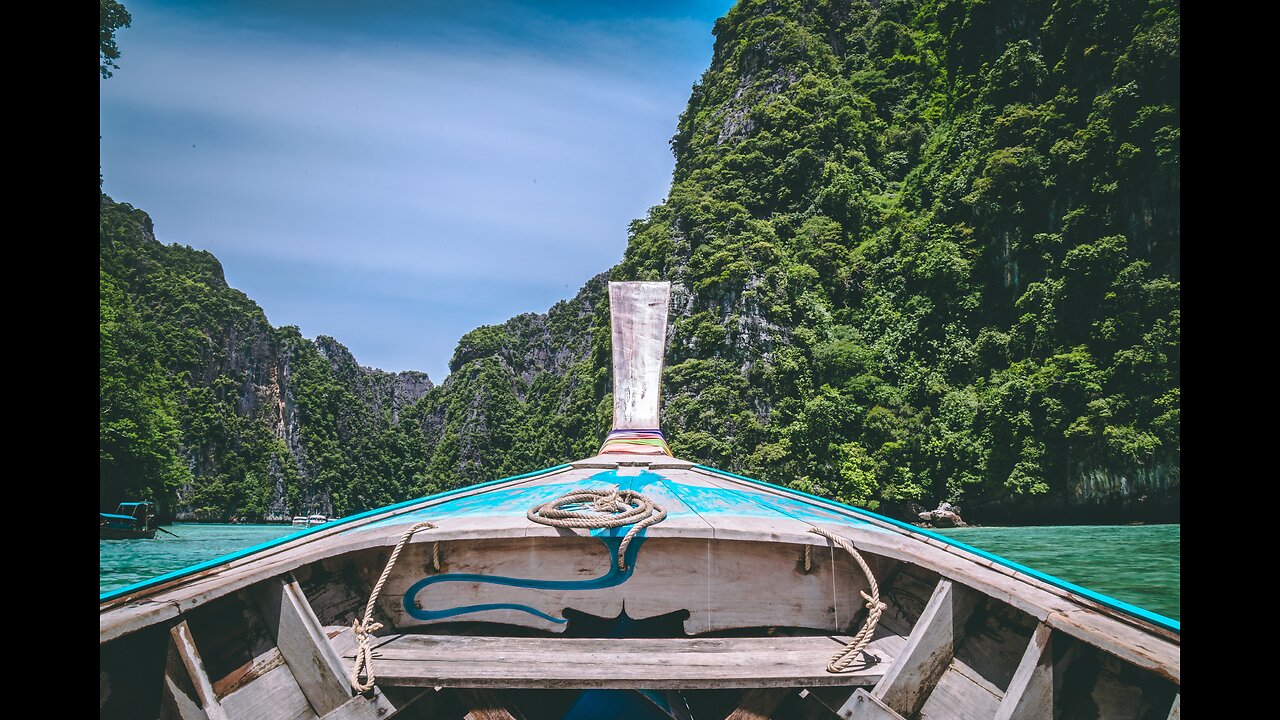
x,y
507,158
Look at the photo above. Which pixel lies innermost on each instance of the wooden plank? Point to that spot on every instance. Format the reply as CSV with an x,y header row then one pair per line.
x,y
960,694
1131,644
382,705
275,695
178,700
759,703
257,667
629,663
929,649
1175,712
1030,692
303,643
863,705
639,318
185,648
482,704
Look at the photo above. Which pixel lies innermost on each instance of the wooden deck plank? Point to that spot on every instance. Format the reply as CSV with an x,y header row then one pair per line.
x,y
630,663
275,695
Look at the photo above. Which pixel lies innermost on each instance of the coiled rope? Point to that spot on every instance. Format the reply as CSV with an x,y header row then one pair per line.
x,y
843,659
366,627
609,508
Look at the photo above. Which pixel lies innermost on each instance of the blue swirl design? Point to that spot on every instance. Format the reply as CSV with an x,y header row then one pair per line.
x,y
612,578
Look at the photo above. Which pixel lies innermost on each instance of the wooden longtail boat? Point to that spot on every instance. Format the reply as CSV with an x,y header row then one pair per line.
x,y
130,521
714,596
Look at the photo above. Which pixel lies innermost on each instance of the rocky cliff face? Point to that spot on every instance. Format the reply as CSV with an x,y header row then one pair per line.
x,y
920,252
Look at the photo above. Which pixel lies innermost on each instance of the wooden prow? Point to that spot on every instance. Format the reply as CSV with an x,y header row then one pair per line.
x,y
639,313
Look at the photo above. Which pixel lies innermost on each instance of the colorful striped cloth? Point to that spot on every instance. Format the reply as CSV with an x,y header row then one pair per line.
x,y
636,442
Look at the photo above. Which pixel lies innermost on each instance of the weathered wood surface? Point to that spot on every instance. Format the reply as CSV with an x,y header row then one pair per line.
x,y
303,643
184,646
960,694
179,699
929,649
1175,712
1130,640
639,313
275,695
631,663
863,705
1030,692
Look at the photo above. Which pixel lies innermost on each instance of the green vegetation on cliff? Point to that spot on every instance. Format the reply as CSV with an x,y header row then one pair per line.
x,y
920,251
209,410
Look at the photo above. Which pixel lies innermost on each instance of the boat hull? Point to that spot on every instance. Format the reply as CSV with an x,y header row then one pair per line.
x,y
731,594
110,533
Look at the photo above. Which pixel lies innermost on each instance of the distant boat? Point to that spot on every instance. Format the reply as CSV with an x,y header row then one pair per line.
x,y
630,584
309,520
130,520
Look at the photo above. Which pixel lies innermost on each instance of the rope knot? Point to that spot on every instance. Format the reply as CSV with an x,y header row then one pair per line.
x,y
368,626
600,509
610,503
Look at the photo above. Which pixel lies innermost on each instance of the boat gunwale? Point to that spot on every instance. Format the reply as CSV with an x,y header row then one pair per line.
x,y
1130,611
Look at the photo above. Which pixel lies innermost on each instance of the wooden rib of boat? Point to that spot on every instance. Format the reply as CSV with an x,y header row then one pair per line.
x,y
731,606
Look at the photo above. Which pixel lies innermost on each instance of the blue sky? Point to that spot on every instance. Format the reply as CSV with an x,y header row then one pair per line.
x,y
395,174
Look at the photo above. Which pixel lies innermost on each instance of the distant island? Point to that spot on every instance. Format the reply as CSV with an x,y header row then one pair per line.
x,y
920,253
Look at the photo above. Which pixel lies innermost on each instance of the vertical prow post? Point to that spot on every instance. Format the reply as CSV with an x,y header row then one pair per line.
x,y
639,314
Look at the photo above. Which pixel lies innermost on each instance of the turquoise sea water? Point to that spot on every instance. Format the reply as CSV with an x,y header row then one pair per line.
x,y
1139,564
124,562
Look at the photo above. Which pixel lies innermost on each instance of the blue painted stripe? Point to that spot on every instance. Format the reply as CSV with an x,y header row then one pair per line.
x,y
612,539
1155,618
111,594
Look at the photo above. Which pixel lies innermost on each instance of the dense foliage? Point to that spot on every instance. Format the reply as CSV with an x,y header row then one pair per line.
x,y
209,410
920,250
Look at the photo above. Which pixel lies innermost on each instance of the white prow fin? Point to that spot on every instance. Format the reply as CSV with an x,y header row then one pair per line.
x,y
639,312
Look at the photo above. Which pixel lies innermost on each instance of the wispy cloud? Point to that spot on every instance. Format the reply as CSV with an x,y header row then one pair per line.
x,y
417,182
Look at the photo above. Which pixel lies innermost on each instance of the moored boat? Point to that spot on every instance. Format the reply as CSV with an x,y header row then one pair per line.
x,y
131,520
628,584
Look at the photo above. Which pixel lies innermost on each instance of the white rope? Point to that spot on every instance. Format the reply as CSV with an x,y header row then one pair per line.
x,y
366,627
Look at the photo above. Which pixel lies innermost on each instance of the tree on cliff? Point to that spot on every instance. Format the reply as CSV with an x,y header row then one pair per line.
x,y
113,17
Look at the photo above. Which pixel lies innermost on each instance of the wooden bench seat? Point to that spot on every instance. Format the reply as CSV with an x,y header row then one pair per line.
x,y
627,663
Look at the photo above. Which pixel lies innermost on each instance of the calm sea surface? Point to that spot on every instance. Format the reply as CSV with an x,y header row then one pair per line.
x,y
1139,564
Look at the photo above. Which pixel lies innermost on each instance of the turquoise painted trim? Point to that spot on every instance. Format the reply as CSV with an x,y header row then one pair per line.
x,y
111,594
1155,618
